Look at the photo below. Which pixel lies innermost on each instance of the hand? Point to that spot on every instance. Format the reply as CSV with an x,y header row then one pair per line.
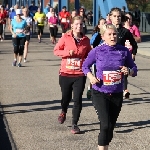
x,y
94,80
71,52
133,57
124,70
14,35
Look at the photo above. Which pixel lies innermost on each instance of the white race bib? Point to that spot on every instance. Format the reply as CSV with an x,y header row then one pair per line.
x,y
73,63
63,20
39,20
111,77
19,31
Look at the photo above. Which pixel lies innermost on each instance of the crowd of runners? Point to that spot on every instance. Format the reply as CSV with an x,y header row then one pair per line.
x,y
107,59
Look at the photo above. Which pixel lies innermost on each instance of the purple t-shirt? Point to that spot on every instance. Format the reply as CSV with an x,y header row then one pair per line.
x,y
108,60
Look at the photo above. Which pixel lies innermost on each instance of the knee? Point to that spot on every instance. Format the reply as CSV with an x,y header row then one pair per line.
x,y
104,126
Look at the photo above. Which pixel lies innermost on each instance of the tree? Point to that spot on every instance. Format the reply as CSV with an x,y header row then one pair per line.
x,y
143,4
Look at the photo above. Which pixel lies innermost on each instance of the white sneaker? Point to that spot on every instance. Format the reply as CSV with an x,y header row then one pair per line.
x,y
25,60
1,40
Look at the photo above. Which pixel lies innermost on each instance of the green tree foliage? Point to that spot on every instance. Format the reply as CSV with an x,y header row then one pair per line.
x,y
144,5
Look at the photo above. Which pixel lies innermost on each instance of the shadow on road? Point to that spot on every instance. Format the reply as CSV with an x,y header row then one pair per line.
x,y
133,126
85,104
145,38
4,139
135,101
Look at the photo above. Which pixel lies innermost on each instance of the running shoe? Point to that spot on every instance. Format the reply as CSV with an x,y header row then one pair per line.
x,y
25,60
75,129
19,64
14,63
126,94
62,117
39,41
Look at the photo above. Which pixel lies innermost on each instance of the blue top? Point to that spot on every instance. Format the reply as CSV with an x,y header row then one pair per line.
x,y
108,60
12,15
46,9
18,27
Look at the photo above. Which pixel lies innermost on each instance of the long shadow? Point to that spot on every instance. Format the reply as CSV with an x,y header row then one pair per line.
x,y
136,101
40,108
5,143
133,126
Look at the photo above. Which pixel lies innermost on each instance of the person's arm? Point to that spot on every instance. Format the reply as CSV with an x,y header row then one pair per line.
x,y
59,49
11,30
137,35
132,42
130,64
89,61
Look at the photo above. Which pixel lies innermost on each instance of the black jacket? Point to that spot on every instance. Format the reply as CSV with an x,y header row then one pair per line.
x,y
97,40
123,35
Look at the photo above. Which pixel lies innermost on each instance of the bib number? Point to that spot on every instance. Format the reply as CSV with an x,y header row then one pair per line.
x,y
111,77
63,20
19,31
73,63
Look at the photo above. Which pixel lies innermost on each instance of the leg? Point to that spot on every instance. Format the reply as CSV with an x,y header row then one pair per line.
x,y
78,88
1,31
26,47
21,49
52,34
101,104
15,42
55,33
66,89
126,93
114,110
39,32
63,28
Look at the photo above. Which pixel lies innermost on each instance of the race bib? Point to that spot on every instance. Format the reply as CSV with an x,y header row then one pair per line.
x,y
128,45
39,20
63,20
111,77
73,63
51,25
19,30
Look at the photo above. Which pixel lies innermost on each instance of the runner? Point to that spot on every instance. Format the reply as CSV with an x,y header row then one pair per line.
x,y
123,35
53,21
3,17
111,61
64,17
17,28
40,18
73,48
29,23
33,9
133,29
82,14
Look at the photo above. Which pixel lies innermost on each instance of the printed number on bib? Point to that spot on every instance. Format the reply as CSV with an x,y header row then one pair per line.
x,y
111,77
73,63
63,20
19,30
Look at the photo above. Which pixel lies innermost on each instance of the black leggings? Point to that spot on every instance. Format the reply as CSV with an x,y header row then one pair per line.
x,y
64,27
53,31
40,29
108,108
18,44
1,29
125,82
77,85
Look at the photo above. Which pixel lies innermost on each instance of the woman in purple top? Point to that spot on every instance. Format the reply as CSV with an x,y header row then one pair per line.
x,y
53,20
110,59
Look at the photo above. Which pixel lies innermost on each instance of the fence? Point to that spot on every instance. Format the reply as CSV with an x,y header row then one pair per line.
x,y
145,22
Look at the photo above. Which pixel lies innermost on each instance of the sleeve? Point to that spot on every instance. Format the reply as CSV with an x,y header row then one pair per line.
x,y
59,49
137,32
93,38
133,42
130,63
89,61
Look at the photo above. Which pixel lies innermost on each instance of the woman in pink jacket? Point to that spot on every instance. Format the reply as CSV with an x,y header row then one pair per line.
x,y
53,20
73,47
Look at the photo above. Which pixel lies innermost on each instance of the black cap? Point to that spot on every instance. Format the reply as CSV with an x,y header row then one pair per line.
x,y
64,7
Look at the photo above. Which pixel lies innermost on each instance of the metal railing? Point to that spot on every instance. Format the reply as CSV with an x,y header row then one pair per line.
x,y
145,22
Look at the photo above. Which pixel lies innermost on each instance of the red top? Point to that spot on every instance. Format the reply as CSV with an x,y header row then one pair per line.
x,y
3,16
64,16
72,65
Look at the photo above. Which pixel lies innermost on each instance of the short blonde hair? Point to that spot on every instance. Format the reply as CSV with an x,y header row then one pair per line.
x,y
76,18
107,26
